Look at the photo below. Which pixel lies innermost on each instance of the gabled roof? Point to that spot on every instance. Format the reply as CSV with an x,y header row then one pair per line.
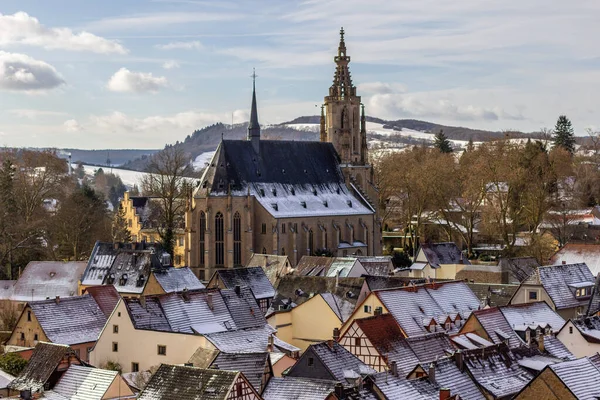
x,y
42,280
254,340
252,277
578,375
252,365
492,294
519,268
106,297
497,327
85,383
589,327
174,382
431,346
574,253
313,266
287,178
45,359
532,314
389,282
397,387
343,266
298,389
414,307
557,278
336,359
377,265
556,348
438,254
342,308
496,370
177,279
448,375
274,266
72,320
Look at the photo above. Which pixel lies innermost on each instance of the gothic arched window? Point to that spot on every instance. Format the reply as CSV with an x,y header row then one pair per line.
x,y
202,232
219,240
311,243
283,251
237,239
264,250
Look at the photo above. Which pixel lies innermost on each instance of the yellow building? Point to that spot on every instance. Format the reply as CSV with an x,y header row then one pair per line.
x,y
138,213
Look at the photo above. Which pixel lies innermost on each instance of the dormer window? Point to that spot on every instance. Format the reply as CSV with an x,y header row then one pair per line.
x,y
274,191
275,207
262,192
314,190
349,202
303,204
293,191
325,203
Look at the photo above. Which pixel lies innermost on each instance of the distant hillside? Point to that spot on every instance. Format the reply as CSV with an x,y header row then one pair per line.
x,y
100,157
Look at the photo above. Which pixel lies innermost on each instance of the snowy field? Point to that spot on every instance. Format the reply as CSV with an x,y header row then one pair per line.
x,y
202,160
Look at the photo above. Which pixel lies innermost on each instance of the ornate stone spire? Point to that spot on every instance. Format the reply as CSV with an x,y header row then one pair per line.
x,y
342,82
323,132
253,125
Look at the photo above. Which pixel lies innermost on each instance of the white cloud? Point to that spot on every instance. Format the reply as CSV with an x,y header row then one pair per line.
x,y
380,88
155,20
34,114
171,64
21,28
125,80
20,72
192,45
72,125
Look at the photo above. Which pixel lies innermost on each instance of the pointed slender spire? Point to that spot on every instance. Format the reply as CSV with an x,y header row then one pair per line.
x,y
253,125
342,82
323,132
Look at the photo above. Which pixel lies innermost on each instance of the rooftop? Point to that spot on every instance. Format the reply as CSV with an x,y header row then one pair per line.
x,y
80,382
557,278
43,280
577,375
438,254
298,388
573,253
252,277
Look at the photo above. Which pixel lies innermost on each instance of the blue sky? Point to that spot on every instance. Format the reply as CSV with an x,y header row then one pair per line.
x,y
140,73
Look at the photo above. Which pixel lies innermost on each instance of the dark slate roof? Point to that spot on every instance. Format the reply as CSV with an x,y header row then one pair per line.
x,y
44,360
557,278
493,295
274,266
579,376
252,365
448,375
342,308
589,327
72,320
337,360
177,279
243,308
532,315
301,288
496,370
313,266
377,265
173,382
42,280
254,340
556,348
106,297
431,346
148,316
252,277
397,387
389,282
497,327
385,335
519,268
415,306
292,388
443,253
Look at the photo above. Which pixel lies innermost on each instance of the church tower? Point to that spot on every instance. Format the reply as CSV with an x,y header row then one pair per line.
x,y
344,126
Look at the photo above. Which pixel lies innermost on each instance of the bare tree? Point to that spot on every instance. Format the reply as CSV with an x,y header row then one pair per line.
x,y
166,181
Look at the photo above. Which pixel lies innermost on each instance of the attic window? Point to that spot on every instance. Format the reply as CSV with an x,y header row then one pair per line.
x,y
221,184
293,191
275,207
258,172
305,171
262,192
337,190
274,191
283,170
349,202
325,203
52,274
314,191
303,204
204,184
123,280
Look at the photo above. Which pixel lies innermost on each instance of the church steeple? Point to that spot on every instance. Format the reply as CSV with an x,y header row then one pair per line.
x,y
253,125
342,81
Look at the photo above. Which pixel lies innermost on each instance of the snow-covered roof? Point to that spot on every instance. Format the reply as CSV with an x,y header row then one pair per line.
x,y
43,280
82,383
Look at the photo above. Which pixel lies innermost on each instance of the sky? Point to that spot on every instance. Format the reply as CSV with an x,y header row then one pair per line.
x,y
144,73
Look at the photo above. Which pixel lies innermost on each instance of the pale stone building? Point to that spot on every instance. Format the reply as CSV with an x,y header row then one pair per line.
x,y
288,198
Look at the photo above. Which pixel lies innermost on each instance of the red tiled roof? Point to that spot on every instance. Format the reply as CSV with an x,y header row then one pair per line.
x,y
382,330
106,296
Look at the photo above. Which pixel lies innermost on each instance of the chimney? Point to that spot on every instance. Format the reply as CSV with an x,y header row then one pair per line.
x,y
460,260
378,311
209,301
238,289
564,262
185,294
57,300
444,394
336,334
270,343
528,336
394,368
339,390
540,342
143,301
459,360
431,373
330,343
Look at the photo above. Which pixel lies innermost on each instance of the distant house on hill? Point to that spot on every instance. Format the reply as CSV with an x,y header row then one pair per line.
x,y
438,261
42,280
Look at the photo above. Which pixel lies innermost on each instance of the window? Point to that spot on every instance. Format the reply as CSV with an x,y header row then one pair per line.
x,y
283,228
357,342
28,315
115,347
367,309
202,234
570,330
22,336
135,367
263,229
239,389
283,251
311,242
311,362
162,350
119,314
115,328
264,250
237,239
532,295
219,240
202,275
35,336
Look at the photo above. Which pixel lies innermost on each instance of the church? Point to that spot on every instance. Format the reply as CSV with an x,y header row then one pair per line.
x,y
289,198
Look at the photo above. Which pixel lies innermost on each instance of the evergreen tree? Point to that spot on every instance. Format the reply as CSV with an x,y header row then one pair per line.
x,y
442,143
470,145
120,229
563,134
